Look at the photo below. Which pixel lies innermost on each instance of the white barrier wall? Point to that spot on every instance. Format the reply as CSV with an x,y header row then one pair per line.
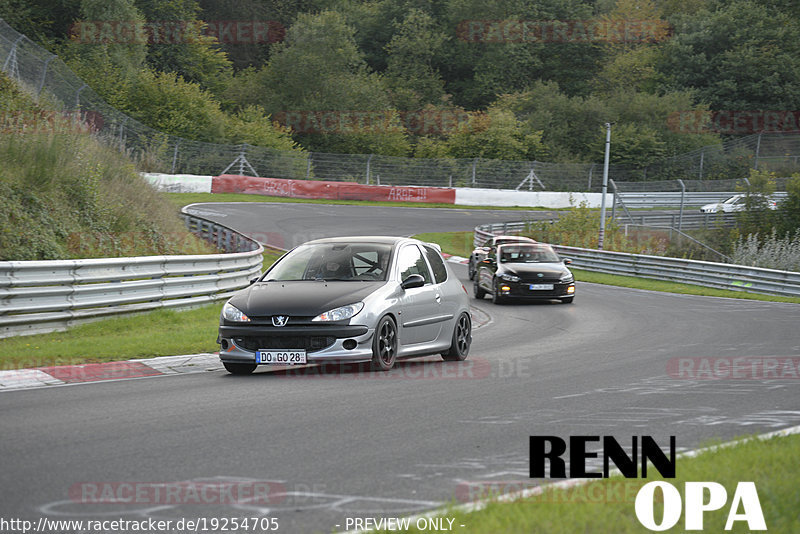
x,y
179,183
546,199
464,196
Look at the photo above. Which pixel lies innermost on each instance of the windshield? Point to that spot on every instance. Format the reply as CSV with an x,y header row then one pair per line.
x,y
333,262
527,254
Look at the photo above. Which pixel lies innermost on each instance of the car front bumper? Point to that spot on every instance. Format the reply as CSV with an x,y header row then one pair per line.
x,y
238,343
521,290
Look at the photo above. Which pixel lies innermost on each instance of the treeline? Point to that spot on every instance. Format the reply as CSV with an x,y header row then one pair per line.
x,y
513,79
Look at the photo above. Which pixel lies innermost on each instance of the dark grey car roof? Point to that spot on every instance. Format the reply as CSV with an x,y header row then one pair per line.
x,y
387,240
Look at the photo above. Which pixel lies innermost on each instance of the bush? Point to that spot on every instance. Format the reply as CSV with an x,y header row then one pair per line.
x,y
64,195
771,252
580,226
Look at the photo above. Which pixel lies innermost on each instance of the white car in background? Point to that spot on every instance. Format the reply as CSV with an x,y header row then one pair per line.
x,y
733,204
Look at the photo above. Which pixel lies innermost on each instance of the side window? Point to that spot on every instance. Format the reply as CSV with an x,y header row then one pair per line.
x,y
437,264
411,262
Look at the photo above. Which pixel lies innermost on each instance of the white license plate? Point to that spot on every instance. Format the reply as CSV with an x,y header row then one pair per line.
x,y
535,287
281,357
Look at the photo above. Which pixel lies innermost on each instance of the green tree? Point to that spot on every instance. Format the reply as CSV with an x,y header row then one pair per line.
x,y
573,126
789,208
739,55
319,68
476,71
195,56
252,125
276,14
166,102
495,134
631,143
757,218
409,74
110,68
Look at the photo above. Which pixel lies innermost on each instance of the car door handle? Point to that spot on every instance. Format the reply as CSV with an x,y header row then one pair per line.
x,y
438,298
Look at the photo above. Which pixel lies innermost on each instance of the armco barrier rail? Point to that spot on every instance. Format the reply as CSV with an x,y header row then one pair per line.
x,y
671,199
708,274
44,296
685,221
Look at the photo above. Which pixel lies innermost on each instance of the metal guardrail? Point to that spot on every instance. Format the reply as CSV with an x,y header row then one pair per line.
x,y
663,221
671,199
708,274
44,296
694,220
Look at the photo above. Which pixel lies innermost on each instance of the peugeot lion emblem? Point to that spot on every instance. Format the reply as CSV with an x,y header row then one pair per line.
x,y
279,320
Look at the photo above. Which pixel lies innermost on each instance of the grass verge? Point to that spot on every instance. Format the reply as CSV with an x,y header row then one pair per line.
x,y
672,287
455,243
460,244
608,505
147,335
182,199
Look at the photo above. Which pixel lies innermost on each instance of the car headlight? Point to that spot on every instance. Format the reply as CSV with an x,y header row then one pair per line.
x,y
232,313
566,278
341,313
509,277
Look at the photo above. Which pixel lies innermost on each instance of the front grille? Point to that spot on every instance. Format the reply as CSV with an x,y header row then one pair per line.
x,y
523,290
309,343
543,280
293,320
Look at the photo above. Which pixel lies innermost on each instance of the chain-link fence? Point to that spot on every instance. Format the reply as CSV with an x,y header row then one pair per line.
x,y
44,73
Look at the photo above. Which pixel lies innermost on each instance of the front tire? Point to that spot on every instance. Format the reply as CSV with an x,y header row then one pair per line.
x,y
471,270
384,345
239,368
462,339
496,298
478,290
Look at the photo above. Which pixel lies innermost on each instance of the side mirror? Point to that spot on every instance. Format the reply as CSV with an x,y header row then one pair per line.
x,y
254,280
567,261
415,280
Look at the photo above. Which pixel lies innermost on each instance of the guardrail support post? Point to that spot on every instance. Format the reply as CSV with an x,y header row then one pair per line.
x,y
683,195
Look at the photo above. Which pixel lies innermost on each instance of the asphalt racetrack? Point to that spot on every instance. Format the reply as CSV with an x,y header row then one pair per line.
x,y
383,445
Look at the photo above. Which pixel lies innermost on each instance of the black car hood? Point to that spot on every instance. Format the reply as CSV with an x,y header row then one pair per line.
x,y
300,298
525,269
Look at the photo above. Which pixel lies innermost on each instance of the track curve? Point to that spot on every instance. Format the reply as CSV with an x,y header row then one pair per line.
x,y
385,445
